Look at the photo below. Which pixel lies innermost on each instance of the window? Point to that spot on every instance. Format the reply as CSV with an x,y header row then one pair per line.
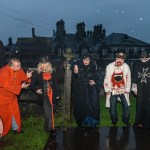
x,y
59,52
104,52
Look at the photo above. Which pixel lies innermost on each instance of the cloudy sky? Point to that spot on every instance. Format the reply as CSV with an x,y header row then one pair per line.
x,y
120,16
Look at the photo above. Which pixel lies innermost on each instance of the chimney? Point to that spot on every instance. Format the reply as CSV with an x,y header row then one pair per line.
x,y
33,32
10,41
54,33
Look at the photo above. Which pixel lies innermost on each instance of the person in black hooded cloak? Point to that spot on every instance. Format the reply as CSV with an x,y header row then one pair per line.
x,y
86,88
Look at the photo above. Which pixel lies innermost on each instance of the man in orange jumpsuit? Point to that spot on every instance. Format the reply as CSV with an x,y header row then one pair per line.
x,y
12,80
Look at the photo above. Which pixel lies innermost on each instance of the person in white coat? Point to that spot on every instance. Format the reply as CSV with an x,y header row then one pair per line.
x,y
117,84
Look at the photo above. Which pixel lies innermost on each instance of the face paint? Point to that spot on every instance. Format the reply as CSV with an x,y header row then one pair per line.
x,y
119,62
117,78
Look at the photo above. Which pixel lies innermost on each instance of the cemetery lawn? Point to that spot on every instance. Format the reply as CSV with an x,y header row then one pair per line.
x,y
35,138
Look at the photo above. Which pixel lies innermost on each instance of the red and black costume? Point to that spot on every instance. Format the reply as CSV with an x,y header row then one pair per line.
x,y
50,90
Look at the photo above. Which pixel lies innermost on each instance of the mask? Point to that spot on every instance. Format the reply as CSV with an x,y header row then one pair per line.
x,y
145,59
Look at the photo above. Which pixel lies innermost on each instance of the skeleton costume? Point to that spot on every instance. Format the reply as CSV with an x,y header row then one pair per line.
x,y
118,81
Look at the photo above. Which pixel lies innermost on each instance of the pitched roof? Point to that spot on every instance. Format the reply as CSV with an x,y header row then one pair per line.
x,y
123,39
72,41
34,43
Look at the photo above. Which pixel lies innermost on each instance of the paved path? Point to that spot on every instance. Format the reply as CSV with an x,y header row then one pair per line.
x,y
103,138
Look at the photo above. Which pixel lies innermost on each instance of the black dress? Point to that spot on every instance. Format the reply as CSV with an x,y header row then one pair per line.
x,y
142,79
86,105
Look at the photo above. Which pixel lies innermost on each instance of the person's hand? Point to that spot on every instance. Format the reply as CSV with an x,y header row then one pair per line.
x,y
92,82
126,92
29,74
39,91
24,85
58,97
76,69
135,92
108,93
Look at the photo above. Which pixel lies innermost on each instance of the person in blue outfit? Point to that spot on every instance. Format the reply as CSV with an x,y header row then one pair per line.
x,y
86,88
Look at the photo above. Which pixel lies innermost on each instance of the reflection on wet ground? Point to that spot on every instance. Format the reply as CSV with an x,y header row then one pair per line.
x,y
103,138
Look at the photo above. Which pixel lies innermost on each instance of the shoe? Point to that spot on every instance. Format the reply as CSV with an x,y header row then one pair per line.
x,y
137,126
18,132
140,126
114,124
128,124
52,131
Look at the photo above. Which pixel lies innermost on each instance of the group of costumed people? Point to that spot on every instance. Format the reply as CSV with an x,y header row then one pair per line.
x,y
86,85
117,85
12,80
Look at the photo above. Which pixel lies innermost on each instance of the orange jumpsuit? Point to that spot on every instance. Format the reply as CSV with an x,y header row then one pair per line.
x,y
10,87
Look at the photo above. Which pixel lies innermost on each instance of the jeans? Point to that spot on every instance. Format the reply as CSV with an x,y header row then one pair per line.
x,y
113,108
14,124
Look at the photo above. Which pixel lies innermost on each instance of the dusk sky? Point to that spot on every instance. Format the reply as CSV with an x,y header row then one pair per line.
x,y
119,16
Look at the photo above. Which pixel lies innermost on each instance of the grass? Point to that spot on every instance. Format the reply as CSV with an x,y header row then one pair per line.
x,y
105,117
34,137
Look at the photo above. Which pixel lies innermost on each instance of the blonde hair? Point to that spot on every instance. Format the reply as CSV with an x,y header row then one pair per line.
x,y
48,68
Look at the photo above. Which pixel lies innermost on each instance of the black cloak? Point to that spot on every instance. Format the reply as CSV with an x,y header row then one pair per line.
x,y
86,105
142,79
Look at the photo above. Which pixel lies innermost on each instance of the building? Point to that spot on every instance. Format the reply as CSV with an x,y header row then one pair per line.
x,y
119,41
2,55
102,47
81,42
30,49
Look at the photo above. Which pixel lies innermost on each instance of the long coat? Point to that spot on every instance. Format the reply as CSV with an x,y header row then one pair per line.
x,y
108,83
141,85
37,83
10,87
86,102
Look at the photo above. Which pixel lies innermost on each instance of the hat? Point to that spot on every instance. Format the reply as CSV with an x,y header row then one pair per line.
x,y
44,59
84,56
145,54
121,55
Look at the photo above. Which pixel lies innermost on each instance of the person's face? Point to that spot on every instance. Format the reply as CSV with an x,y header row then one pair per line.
x,y
86,61
144,59
44,66
16,66
119,62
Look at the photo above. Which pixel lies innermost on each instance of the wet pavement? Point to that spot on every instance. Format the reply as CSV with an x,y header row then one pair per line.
x,y
103,138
